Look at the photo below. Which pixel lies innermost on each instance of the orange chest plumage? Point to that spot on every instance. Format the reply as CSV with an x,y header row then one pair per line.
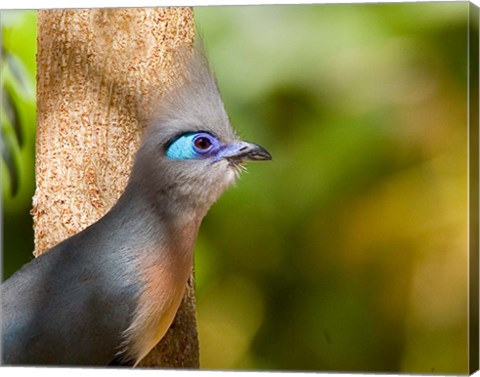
x,y
165,275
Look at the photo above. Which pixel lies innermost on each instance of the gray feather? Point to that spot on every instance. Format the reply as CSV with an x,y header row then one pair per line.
x,y
71,305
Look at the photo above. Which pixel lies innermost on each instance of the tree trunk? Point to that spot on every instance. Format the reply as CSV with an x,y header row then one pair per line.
x,y
96,69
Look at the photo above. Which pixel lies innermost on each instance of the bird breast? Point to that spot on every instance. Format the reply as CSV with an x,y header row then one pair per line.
x,y
165,271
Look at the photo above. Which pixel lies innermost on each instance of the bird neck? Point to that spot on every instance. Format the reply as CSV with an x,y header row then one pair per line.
x,y
160,245
153,218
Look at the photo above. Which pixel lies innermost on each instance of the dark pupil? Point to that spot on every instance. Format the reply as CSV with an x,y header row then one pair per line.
x,y
202,143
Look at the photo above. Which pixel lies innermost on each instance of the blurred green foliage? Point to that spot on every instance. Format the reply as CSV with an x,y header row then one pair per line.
x,y
18,120
348,251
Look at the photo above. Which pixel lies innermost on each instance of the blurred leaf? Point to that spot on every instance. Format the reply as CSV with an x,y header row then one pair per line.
x,y
18,108
18,122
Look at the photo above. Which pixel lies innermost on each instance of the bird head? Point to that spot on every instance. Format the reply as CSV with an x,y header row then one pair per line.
x,y
190,153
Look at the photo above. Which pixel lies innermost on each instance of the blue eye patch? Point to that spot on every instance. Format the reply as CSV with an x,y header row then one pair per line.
x,y
193,145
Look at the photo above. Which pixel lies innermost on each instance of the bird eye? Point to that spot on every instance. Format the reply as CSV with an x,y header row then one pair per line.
x,y
202,143
198,145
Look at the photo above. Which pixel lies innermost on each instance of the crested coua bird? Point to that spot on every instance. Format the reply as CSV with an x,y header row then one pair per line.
x,y
108,294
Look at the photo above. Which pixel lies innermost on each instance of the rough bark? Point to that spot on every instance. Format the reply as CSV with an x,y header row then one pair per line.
x,y
96,69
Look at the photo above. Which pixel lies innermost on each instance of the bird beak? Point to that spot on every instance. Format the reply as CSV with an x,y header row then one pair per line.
x,y
244,151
